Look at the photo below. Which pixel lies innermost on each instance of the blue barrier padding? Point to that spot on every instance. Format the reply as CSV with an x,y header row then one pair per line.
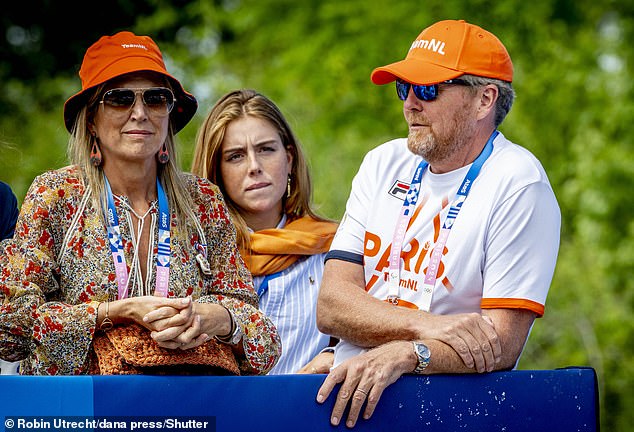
x,y
515,401
45,396
530,401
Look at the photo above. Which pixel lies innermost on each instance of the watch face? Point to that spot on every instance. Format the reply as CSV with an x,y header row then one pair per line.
x,y
422,351
423,354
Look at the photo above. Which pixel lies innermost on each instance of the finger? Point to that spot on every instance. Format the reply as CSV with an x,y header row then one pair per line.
x,y
488,345
474,355
191,333
373,400
462,349
493,341
170,333
478,356
359,397
178,320
184,317
345,396
161,313
201,339
169,344
487,353
321,368
179,303
304,370
334,377
341,402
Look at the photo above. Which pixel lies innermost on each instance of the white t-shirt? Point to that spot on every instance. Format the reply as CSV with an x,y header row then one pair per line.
x,y
502,248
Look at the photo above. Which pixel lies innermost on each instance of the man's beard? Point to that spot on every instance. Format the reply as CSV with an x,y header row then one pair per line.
x,y
437,147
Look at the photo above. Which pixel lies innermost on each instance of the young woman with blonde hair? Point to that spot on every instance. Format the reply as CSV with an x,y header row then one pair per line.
x,y
246,147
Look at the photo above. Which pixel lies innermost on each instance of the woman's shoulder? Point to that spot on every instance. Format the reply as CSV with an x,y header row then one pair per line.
x,y
60,183
208,203
199,185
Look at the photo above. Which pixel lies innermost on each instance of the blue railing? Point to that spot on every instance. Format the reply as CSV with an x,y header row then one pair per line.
x,y
546,400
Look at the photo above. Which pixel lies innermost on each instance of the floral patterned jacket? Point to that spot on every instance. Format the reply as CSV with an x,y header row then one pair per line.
x,y
49,293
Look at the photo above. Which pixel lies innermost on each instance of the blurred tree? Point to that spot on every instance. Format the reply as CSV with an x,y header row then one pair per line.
x,y
42,46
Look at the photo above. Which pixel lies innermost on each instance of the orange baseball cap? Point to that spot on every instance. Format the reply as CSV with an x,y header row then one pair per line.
x,y
122,53
446,50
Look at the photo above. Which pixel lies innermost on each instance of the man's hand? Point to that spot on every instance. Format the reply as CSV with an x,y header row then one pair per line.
x,y
364,377
472,336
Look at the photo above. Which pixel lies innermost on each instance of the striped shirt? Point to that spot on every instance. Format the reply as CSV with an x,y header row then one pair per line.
x,y
290,301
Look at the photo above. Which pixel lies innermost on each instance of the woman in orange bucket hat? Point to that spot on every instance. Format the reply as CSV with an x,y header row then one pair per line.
x,y
121,263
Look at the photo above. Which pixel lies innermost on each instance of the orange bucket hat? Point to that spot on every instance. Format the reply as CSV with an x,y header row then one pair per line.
x,y
122,53
446,50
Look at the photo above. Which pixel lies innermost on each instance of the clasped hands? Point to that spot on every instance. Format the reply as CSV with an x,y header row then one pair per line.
x,y
174,323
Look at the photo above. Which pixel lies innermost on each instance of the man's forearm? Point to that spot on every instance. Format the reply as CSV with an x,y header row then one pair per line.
x,y
366,321
347,311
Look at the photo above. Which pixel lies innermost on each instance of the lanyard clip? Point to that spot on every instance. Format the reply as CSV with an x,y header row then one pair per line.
x,y
204,264
392,299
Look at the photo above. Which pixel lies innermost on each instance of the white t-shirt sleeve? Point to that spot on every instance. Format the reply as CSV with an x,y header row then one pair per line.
x,y
350,236
518,269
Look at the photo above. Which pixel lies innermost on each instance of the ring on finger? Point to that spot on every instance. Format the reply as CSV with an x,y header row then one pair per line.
x,y
362,391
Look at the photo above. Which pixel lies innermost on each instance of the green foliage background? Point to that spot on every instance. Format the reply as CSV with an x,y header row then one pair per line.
x,y
574,111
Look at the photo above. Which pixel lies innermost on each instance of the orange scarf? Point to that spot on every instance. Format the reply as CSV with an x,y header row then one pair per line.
x,y
276,249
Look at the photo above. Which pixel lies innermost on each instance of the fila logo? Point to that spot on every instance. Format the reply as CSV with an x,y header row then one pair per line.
x,y
399,189
431,45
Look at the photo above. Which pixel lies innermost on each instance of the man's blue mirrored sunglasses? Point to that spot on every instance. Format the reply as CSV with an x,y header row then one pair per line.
x,y
423,92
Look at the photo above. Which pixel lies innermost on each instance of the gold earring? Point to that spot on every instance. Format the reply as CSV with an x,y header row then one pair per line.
x,y
288,187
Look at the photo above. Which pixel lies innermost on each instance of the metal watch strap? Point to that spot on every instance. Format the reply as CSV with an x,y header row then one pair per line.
x,y
423,355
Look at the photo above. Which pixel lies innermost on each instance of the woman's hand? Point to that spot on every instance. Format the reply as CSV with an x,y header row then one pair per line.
x,y
320,364
182,337
169,316
163,312
190,327
175,327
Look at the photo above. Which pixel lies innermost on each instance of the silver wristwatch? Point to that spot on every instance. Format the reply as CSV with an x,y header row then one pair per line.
x,y
423,354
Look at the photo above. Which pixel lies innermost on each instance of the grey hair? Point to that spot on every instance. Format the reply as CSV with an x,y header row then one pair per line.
x,y
506,94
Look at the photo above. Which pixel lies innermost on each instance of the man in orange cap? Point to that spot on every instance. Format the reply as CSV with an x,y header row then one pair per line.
x,y
448,246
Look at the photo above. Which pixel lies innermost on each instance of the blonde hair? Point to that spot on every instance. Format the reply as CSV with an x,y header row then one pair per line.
x,y
207,155
169,175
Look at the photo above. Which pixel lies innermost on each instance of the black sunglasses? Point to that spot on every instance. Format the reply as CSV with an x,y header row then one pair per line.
x,y
159,101
423,92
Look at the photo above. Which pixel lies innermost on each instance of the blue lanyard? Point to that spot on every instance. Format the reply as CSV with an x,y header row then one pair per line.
x,y
264,286
116,244
406,212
